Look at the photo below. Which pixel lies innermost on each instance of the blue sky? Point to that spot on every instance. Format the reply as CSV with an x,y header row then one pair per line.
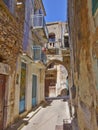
x,y
56,10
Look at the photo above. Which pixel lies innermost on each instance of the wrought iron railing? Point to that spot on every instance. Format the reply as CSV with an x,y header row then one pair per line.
x,y
39,22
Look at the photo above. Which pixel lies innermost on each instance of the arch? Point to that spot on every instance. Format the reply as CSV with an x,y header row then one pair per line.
x,y
58,62
56,81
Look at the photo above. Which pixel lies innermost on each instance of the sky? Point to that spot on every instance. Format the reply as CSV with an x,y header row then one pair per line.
x,y
56,10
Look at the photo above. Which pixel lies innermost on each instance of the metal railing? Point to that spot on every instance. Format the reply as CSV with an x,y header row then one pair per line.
x,y
39,22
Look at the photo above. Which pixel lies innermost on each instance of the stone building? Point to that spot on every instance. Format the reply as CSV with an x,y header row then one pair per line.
x,y
57,53
83,36
10,47
30,65
22,37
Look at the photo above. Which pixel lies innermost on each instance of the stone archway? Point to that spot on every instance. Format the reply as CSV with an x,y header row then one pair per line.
x,y
56,78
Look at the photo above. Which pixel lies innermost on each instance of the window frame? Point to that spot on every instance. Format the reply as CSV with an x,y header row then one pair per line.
x,y
34,48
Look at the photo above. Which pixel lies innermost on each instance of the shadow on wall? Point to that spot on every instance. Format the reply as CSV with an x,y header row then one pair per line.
x,y
64,92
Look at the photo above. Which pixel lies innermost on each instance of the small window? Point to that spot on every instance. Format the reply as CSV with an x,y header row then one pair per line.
x,y
66,43
94,6
36,53
51,37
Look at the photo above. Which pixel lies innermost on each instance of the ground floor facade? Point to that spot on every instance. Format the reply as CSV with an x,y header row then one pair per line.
x,y
21,90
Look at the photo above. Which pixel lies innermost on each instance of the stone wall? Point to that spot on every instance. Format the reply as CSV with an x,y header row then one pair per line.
x,y
10,37
10,48
82,38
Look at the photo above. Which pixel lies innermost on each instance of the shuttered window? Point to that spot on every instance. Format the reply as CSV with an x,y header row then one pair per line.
x,y
94,6
36,52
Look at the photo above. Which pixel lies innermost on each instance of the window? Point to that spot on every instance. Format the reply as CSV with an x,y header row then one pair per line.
x,y
66,44
51,37
36,52
94,6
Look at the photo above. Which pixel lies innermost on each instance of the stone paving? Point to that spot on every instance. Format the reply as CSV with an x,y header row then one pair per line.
x,y
50,117
54,115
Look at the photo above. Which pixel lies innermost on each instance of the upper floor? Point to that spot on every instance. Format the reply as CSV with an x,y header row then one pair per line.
x,y
30,16
58,38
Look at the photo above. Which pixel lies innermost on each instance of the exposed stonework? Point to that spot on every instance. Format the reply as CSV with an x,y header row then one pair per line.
x,y
10,47
83,35
10,37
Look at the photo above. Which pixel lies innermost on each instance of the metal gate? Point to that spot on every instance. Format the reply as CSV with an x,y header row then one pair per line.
x,y
34,90
22,88
2,95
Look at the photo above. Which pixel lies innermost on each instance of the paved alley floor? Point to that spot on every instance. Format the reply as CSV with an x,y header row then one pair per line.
x,y
51,117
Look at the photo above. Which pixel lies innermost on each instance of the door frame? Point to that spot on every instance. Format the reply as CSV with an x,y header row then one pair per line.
x,y
5,70
4,119
22,111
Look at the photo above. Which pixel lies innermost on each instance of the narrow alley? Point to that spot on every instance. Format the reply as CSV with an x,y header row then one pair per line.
x,y
51,117
48,64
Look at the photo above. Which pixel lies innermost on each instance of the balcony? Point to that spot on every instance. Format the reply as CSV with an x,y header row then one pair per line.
x,y
39,27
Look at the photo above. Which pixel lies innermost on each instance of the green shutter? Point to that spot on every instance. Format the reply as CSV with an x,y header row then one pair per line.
x,y
94,6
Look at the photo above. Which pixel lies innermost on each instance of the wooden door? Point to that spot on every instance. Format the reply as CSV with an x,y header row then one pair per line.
x,y
2,94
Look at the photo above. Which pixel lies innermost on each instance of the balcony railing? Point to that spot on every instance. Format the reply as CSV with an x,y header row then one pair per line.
x,y
39,22
52,51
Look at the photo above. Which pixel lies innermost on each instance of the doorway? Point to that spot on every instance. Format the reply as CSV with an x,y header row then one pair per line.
x,y
2,96
22,88
34,90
